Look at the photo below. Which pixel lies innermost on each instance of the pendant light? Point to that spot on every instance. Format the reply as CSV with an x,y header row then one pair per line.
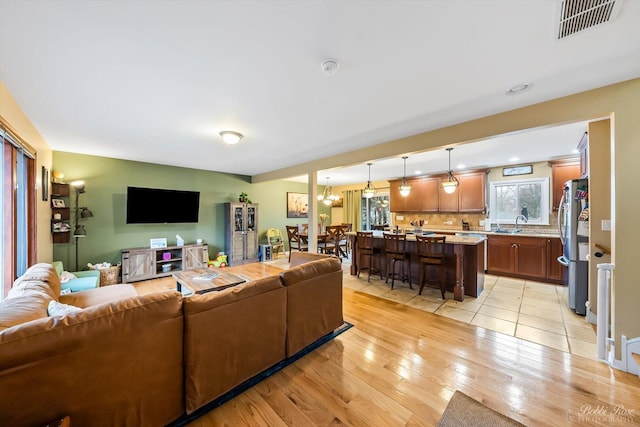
x,y
405,188
451,183
369,191
327,197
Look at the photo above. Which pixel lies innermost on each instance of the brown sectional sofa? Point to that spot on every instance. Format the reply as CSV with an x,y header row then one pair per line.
x,y
137,360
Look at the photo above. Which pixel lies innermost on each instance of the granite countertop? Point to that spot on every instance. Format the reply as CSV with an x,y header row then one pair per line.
x,y
457,240
525,232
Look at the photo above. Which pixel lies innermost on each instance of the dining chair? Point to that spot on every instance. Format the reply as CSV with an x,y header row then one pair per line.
x,y
347,228
295,240
395,250
367,251
431,252
333,239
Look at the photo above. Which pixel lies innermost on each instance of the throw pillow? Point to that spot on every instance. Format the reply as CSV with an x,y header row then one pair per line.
x,y
59,309
66,276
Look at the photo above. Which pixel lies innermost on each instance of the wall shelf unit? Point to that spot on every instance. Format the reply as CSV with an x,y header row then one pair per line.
x,y
60,216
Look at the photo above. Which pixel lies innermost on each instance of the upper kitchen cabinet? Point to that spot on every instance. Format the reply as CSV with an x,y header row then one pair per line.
x,y
470,196
583,148
472,192
427,194
422,198
561,172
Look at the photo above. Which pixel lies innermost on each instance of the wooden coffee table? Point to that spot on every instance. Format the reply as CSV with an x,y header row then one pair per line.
x,y
203,280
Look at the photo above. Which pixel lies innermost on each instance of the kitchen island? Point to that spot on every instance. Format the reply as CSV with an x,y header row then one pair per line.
x,y
464,268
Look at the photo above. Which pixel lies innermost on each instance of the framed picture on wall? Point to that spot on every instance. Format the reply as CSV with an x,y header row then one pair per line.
x,y
297,205
57,203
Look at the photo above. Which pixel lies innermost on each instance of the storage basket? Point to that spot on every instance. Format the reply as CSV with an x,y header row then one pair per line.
x,y
109,276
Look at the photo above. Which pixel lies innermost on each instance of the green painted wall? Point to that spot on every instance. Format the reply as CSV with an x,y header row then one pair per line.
x,y
106,183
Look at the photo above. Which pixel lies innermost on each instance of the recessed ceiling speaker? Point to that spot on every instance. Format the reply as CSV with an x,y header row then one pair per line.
x,y
329,67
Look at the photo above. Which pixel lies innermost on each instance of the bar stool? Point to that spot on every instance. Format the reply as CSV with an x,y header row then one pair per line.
x,y
366,250
394,248
431,253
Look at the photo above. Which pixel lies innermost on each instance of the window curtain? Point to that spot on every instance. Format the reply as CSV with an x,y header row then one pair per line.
x,y
352,201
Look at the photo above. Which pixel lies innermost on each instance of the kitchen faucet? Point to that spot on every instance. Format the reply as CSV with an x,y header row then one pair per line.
x,y
518,218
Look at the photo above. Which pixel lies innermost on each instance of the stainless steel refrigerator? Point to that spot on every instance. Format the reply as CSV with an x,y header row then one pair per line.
x,y
573,217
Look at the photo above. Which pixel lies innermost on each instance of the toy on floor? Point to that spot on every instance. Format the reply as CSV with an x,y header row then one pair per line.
x,y
220,261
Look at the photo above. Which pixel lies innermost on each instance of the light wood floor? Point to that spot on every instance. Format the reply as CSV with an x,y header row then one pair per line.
x,y
400,366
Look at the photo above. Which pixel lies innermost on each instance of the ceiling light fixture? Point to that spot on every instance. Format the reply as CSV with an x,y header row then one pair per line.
x,y
404,188
327,197
369,191
451,183
519,88
231,137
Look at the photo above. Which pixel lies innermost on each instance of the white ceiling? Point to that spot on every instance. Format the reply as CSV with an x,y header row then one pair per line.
x,y
157,81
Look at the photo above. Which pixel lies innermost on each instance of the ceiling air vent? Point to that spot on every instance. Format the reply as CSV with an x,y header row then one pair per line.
x,y
578,15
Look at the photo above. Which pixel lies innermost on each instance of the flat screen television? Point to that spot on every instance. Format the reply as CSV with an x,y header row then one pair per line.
x,y
159,206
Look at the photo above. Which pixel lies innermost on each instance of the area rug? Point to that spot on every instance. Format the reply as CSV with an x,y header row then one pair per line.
x,y
261,376
462,410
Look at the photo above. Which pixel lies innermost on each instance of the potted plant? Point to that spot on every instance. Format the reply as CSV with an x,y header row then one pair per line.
x,y
243,197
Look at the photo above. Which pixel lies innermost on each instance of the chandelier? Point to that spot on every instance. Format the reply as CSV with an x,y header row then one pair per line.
x,y
327,197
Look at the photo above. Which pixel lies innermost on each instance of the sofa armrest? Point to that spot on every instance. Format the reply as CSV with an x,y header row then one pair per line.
x,y
87,273
314,301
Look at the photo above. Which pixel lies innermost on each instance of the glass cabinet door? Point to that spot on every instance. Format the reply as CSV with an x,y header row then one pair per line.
x,y
251,218
238,218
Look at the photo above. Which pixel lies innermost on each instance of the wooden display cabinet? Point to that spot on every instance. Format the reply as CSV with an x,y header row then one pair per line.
x,y
241,233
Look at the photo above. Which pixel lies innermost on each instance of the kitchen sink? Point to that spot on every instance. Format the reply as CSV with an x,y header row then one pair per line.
x,y
514,231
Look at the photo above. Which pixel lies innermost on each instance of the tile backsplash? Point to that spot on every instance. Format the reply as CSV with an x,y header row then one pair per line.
x,y
453,221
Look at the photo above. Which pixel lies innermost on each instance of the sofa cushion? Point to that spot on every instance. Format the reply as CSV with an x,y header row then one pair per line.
x,y
56,308
97,296
231,336
41,277
21,309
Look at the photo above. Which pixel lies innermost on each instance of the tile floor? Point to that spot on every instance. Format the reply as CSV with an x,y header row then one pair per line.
x,y
533,311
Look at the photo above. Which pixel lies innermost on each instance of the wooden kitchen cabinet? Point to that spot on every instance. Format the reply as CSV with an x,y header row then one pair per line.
x,y
500,255
510,255
555,271
427,194
422,198
561,172
583,148
525,257
472,192
470,196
